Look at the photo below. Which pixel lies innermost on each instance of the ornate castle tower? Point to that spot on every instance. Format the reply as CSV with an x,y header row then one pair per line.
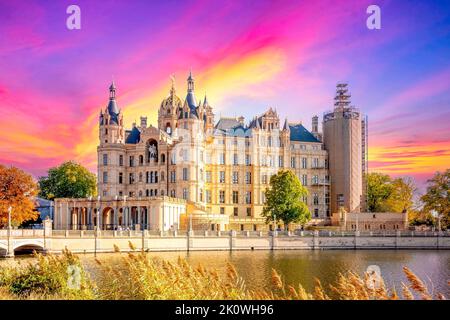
x,y
169,110
342,134
112,139
111,121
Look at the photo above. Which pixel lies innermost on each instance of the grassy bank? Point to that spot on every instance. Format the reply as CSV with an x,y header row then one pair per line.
x,y
136,276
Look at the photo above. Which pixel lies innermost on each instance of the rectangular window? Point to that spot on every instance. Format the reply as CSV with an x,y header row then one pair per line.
x,y
316,199
248,177
248,197
185,193
316,163
131,178
222,210
208,196
316,212
293,162
235,197
221,196
315,179
264,179
208,176
105,177
185,174
221,176
248,160
304,163
235,159
105,159
249,212
235,211
221,158
280,161
173,176
121,160
131,161
304,179
235,177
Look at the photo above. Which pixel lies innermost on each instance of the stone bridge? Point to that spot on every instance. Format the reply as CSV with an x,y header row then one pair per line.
x,y
90,241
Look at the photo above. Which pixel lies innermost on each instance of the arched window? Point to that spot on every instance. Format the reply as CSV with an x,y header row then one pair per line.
x,y
141,160
163,158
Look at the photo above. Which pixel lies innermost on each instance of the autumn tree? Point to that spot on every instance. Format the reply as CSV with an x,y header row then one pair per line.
x,y
17,190
437,197
69,180
284,200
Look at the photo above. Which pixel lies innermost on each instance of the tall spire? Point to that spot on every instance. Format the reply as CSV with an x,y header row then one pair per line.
x,y
286,125
112,91
172,87
190,81
205,101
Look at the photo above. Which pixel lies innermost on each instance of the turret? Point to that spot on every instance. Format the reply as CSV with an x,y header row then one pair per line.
x,y
111,121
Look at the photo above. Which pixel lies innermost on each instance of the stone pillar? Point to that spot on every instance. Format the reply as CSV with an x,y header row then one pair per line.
x,y
232,239
89,217
116,217
139,215
316,240
68,217
79,213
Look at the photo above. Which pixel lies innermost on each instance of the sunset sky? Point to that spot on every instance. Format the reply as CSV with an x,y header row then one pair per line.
x,y
245,55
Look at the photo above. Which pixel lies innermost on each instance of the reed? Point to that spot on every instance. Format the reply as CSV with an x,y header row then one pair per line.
x,y
138,277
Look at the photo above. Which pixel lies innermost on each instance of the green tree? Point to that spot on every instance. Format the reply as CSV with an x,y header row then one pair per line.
x,y
437,197
69,180
284,200
379,190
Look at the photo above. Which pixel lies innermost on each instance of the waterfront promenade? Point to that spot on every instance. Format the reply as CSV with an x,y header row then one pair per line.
x,y
90,241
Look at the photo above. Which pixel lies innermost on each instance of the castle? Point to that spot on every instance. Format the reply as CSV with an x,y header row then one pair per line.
x,y
193,172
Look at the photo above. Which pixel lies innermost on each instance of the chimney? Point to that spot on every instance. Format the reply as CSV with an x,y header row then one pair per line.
x,y
315,124
143,122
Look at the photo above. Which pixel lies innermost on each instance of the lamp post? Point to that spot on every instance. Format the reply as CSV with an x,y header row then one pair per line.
x,y
9,253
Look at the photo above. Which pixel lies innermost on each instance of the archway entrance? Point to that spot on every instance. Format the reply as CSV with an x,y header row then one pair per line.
x,y
108,218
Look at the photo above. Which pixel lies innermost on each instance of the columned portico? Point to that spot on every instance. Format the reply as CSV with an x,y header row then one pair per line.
x,y
150,213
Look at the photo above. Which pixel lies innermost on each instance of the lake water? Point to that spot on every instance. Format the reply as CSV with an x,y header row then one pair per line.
x,y
301,266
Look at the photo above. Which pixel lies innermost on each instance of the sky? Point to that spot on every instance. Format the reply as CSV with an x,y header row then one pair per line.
x,y
246,56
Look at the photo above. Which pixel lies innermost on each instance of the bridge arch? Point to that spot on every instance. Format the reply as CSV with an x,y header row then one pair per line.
x,y
28,247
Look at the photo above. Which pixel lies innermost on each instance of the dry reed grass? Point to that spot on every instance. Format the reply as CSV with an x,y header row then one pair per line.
x,y
138,277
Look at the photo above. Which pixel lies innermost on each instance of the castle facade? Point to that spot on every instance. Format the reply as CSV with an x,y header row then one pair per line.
x,y
219,168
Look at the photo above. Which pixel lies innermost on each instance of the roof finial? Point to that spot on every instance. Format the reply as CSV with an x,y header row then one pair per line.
x,y
172,80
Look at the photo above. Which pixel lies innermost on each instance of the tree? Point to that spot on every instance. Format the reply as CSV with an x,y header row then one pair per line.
x,y
401,197
284,200
389,195
379,190
437,197
69,180
17,190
